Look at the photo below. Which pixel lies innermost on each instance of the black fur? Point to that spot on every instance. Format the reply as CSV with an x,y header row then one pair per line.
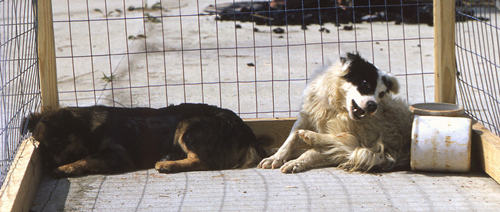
x,y
97,140
361,73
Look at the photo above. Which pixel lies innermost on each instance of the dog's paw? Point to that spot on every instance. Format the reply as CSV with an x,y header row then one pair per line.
x,y
293,166
64,171
306,136
166,167
271,163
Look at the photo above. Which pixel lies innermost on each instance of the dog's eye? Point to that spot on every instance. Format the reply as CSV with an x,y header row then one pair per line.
x,y
365,84
381,95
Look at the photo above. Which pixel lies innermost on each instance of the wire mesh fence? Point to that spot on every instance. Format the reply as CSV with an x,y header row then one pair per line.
x,y
253,57
19,87
478,62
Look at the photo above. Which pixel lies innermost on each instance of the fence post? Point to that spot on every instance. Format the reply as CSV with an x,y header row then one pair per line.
x,y
444,51
46,55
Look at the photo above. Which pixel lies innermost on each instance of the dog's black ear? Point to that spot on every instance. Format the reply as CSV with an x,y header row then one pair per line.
x,y
29,123
354,56
350,56
391,83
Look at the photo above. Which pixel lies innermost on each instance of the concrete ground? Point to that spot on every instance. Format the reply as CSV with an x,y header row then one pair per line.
x,y
255,72
327,189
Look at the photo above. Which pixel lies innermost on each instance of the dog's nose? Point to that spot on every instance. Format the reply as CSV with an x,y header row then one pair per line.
x,y
371,106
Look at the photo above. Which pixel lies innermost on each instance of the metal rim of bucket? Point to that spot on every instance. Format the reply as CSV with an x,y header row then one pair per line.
x,y
437,109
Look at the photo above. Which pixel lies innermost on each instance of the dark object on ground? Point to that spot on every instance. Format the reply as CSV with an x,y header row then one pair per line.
x,y
278,30
77,141
348,28
304,12
323,29
250,64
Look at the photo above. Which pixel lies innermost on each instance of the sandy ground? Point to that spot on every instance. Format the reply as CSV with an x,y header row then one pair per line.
x,y
242,66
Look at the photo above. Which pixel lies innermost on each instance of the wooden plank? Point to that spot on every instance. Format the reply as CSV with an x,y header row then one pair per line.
x,y
47,56
444,51
276,129
21,182
487,149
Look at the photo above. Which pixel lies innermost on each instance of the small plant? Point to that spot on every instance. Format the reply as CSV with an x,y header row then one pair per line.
x,y
150,18
106,78
156,6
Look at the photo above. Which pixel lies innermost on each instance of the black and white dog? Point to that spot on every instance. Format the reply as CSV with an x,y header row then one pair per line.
x,y
348,119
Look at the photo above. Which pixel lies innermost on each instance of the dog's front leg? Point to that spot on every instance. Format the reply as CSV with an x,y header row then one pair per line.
x,y
108,161
308,160
320,154
326,141
277,159
79,167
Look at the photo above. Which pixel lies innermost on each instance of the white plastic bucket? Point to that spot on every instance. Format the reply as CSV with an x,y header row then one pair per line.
x,y
440,143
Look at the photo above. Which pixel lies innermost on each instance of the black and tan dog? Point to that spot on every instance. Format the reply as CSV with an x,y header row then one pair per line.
x,y
77,141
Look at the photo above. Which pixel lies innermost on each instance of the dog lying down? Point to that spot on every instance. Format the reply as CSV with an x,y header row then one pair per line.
x,y
348,119
77,141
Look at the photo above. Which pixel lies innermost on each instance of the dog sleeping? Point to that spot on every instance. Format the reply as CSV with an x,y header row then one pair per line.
x,y
77,141
348,119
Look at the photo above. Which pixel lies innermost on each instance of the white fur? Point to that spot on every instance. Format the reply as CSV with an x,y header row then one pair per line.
x,y
326,134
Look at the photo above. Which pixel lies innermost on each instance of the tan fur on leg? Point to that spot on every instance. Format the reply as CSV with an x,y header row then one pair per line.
x,y
191,163
83,166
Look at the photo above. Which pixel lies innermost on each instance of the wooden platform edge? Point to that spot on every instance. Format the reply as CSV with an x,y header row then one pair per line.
x,y
21,182
276,129
487,147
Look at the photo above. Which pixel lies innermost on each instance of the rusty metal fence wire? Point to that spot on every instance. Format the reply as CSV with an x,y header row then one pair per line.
x,y
19,87
478,62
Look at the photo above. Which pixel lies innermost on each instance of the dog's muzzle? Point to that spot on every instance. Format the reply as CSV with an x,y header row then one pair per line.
x,y
359,112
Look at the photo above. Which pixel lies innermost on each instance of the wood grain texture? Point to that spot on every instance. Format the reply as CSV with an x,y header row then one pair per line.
x,y
487,148
276,129
47,56
21,182
444,51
